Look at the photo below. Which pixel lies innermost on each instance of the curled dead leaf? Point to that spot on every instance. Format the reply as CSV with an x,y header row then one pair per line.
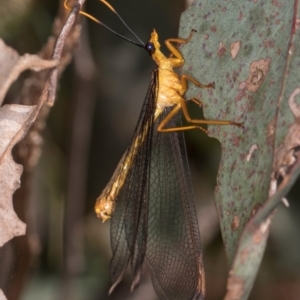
x,y
12,65
13,125
285,154
2,296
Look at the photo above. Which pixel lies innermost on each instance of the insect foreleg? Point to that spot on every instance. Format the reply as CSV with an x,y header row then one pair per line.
x,y
178,60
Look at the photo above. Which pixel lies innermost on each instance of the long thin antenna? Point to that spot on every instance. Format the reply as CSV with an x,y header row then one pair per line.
x,y
121,19
141,44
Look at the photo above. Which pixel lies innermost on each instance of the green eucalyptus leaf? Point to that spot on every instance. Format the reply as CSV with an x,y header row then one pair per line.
x,y
250,49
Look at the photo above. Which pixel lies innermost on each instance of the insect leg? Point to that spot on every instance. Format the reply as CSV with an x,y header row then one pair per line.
x,y
185,78
178,60
196,101
182,106
172,113
208,122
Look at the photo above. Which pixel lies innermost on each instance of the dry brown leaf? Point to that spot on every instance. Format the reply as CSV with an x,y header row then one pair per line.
x,y
2,296
286,152
11,65
15,121
13,125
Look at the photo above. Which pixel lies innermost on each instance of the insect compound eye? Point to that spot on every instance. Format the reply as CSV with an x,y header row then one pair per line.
x,y
150,48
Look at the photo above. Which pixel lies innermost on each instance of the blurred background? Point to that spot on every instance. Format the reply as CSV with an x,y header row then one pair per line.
x,y
66,252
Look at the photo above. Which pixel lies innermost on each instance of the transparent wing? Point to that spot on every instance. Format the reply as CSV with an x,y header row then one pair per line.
x,y
129,220
155,217
173,242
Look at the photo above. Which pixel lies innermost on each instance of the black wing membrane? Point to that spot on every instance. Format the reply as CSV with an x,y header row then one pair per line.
x,y
129,220
155,217
173,246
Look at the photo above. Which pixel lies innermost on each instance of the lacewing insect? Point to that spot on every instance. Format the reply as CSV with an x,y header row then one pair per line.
x,y
149,197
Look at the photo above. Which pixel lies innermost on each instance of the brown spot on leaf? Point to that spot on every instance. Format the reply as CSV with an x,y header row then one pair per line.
x,y
258,71
221,50
255,209
278,51
251,150
235,287
244,255
269,43
235,223
235,48
262,232
271,132
276,3
235,140
213,28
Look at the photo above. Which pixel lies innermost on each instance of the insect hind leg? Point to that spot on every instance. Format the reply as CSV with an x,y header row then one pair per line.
x,y
204,121
173,112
